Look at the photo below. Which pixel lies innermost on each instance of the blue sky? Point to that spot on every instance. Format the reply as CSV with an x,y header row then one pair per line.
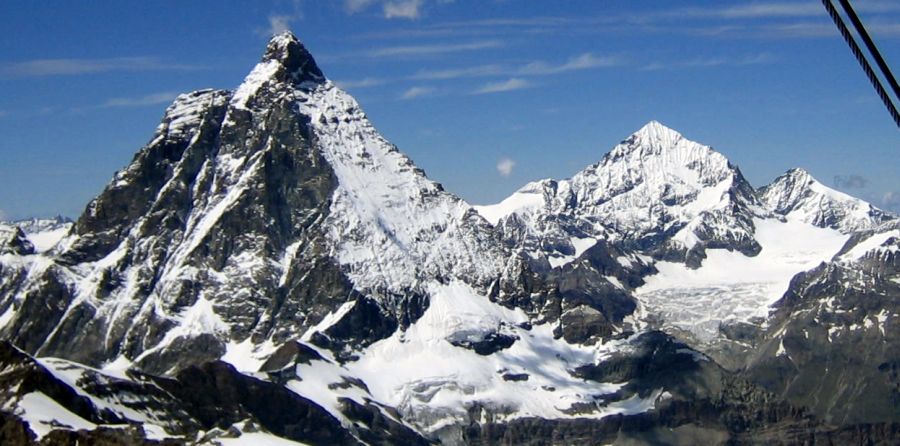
x,y
483,95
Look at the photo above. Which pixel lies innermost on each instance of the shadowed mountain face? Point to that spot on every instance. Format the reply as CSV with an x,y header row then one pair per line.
x,y
269,266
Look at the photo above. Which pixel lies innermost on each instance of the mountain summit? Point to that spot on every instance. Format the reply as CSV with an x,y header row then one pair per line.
x,y
298,63
655,135
656,192
797,195
268,265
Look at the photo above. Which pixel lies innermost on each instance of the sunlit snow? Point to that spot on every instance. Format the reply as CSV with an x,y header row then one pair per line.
x,y
730,286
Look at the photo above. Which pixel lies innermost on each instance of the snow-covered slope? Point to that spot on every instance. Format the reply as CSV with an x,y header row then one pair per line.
x,y
270,268
256,214
277,216
796,195
731,287
656,192
715,251
837,329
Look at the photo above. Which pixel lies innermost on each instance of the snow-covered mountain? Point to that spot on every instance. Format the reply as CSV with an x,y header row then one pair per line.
x,y
276,219
269,268
656,193
42,233
837,329
714,249
796,195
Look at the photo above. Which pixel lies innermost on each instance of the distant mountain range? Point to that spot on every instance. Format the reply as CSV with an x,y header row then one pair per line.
x,y
270,270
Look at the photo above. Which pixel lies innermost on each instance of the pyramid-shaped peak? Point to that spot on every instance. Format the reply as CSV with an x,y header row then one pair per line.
x,y
798,173
299,65
796,177
654,131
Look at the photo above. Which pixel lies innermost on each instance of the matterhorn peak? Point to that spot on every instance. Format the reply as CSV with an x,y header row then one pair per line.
x,y
285,62
299,65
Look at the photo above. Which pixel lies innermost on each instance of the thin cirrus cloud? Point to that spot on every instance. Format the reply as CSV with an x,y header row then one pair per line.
x,y
64,67
417,92
511,84
406,9
456,73
789,9
141,101
712,62
537,68
361,83
582,62
433,50
391,9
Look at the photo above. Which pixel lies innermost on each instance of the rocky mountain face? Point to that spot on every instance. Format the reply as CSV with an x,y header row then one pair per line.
x,y
270,268
832,343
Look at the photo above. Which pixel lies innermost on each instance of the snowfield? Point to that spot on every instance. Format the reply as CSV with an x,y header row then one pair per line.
x,y
733,287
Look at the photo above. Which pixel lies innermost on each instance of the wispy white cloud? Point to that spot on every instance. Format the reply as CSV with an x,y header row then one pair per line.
x,y
3,215
416,92
505,167
361,83
279,24
61,67
507,85
390,9
765,10
712,62
433,50
404,9
783,10
811,30
536,68
140,101
354,6
582,62
456,73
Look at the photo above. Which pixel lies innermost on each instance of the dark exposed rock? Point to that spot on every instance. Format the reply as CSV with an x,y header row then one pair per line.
x,y
368,321
483,343
13,241
14,431
39,312
515,377
183,352
290,354
832,340
213,396
383,429
105,436
219,396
